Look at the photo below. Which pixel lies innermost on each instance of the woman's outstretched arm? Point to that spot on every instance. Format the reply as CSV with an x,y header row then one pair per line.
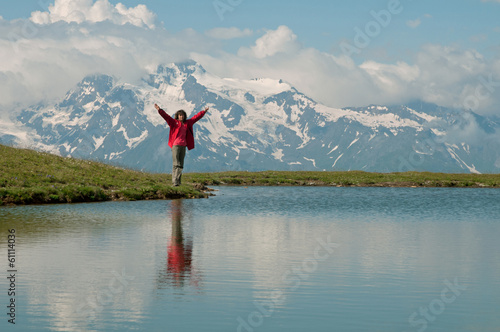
x,y
199,115
164,115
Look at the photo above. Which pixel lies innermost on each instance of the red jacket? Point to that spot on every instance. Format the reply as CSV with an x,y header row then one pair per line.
x,y
175,124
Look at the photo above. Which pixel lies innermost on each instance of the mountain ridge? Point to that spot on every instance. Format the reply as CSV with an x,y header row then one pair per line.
x,y
256,125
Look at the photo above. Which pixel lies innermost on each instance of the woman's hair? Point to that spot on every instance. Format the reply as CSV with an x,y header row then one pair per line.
x,y
180,112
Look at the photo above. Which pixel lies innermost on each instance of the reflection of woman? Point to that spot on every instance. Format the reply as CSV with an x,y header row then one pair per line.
x,y
180,137
180,252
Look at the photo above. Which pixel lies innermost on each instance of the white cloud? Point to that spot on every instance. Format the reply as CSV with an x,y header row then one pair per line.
x,y
335,81
43,61
444,75
281,40
228,33
418,21
414,23
80,11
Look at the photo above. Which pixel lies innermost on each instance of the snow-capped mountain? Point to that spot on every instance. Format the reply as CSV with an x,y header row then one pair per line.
x,y
255,125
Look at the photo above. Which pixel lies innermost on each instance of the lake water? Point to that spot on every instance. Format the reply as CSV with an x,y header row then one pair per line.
x,y
259,259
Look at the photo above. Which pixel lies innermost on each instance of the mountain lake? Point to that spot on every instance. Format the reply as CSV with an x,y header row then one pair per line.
x,y
257,259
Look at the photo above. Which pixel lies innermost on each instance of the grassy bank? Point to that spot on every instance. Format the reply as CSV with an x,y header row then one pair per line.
x,y
352,178
30,177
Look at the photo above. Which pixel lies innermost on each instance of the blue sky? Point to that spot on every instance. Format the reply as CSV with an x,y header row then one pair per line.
x,y
437,51
324,24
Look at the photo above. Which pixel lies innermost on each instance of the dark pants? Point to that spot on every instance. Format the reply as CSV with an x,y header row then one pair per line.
x,y
178,154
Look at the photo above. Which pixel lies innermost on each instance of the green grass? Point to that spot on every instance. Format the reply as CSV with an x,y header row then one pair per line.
x,y
30,177
351,178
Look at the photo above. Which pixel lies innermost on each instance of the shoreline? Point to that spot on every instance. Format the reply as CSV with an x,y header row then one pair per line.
x,y
347,179
32,177
200,189
39,197
197,190
378,185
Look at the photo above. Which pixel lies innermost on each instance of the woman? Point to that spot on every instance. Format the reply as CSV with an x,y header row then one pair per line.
x,y
180,138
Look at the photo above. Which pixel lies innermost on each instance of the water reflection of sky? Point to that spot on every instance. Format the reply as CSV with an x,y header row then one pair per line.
x,y
205,263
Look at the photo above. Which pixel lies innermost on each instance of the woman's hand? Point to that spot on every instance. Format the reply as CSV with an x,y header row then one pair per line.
x,y
157,107
206,109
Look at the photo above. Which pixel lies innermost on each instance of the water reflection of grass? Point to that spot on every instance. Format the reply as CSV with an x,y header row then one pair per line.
x,y
30,177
